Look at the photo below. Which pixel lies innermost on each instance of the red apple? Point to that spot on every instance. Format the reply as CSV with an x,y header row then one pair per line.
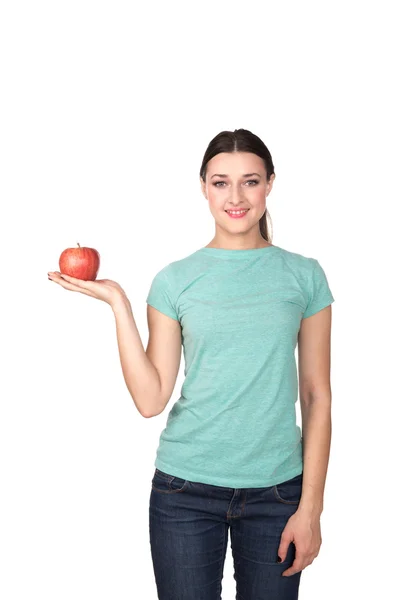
x,y
82,263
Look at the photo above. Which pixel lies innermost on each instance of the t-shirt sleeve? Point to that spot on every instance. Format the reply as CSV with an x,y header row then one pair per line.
x,y
160,295
319,293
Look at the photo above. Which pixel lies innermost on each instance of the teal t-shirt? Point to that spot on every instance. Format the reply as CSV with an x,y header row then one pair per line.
x,y
240,311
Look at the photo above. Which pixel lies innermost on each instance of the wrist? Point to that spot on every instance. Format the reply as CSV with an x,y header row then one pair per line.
x,y
119,301
311,508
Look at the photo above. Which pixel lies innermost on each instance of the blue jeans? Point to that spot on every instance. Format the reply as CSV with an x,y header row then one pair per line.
x,y
189,523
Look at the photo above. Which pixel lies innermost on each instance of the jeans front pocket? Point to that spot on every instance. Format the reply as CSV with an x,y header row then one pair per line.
x,y
289,492
168,484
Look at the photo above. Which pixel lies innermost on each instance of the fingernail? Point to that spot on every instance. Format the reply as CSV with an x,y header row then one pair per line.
x,y
279,559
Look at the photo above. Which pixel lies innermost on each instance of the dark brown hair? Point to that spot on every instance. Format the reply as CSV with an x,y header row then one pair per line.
x,y
241,140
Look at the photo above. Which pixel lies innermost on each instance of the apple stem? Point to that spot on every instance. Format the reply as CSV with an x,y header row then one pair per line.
x,y
78,244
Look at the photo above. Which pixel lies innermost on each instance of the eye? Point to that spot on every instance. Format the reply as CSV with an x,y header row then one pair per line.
x,y
254,181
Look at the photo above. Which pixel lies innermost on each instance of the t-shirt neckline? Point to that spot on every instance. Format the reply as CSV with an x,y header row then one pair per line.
x,y
242,253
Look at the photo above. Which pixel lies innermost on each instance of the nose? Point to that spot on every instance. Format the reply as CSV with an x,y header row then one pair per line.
x,y
236,198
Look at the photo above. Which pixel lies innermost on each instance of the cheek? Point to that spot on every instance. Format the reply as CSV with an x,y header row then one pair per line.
x,y
216,202
258,203
257,197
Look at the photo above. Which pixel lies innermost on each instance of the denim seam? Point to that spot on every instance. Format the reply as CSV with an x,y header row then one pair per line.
x,y
229,513
224,541
168,479
277,496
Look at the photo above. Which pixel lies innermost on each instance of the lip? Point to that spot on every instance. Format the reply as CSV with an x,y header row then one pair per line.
x,y
239,216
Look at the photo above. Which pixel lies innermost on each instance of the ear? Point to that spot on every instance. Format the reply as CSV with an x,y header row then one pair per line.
x,y
270,183
203,188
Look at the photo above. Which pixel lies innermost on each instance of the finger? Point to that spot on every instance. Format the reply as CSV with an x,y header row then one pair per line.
x,y
74,280
283,546
62,280
86,284
299,564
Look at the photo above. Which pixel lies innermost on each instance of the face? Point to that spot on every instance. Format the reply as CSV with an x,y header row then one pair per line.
x,y
235,181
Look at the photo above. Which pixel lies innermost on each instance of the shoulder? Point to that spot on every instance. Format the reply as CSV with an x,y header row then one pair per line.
x,y
304,265
312,280
296,257
177,270
183,265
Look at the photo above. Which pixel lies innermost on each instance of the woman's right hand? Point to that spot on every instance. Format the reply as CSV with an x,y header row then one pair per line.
x,y
103,289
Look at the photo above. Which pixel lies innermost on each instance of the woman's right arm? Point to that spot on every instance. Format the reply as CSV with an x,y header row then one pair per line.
x,y
150,375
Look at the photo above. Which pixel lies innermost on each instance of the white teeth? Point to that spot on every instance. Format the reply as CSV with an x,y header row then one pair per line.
x,y
236,212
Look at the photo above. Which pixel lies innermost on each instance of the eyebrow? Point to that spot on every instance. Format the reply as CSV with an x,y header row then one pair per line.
x,y
223,175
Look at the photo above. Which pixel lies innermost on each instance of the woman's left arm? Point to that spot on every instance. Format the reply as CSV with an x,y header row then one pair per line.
x,y
314,357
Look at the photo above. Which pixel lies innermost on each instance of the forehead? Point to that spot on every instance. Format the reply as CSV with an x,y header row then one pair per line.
x,y
235,163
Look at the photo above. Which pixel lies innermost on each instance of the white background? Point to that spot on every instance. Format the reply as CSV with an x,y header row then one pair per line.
x,y
106,111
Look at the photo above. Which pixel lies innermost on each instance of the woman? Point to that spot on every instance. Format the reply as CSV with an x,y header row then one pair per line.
x,y
231,457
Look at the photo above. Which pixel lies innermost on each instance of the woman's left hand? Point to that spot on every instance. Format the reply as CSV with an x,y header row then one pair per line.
x,y
304,530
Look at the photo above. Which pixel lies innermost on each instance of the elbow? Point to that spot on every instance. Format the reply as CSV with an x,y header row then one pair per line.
x,y
149,412
147,415
149,407
145,411
315,394
143,408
